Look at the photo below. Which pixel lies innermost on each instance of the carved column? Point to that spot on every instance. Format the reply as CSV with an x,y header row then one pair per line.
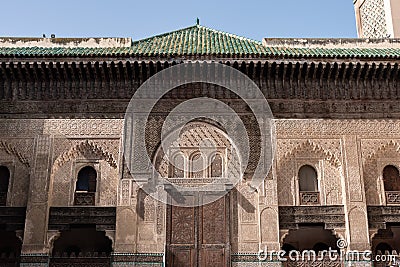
x,y
356,208
126,224
269,218
35,235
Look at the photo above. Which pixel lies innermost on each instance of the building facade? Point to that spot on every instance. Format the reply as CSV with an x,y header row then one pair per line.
x,y
68,198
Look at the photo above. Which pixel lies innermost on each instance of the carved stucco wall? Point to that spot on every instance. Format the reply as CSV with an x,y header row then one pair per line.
x,y
16,155
321,142
323,154
73,154
151,214
376,154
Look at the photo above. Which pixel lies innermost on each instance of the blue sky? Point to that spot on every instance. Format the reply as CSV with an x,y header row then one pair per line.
x,y
138,19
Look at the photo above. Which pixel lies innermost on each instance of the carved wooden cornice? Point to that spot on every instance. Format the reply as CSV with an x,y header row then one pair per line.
x,y
61,218
331,216
13,217
380,216
295,88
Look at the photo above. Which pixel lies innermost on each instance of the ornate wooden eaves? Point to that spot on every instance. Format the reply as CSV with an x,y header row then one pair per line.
x,y
290,217
295,88
13,218
62,218
380,216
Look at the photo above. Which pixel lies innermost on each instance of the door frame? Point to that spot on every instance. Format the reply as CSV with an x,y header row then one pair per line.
x,y
197,247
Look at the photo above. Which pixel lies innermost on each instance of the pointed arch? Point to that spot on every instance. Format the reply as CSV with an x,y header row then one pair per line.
x,y
390,145
85,148
310,146
11,150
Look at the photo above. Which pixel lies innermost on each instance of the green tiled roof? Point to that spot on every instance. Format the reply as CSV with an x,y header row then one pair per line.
x,y
197,40
200,41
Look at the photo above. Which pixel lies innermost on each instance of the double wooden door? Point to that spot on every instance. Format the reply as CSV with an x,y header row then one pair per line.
x,y
199,236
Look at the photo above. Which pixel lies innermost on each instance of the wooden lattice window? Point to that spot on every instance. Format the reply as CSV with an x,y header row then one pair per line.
x,y
86,187
308,185
178,166
216,165
308,179
197,165
391,179
391,183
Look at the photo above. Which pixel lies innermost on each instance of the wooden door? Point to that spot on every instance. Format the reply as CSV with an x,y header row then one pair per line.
x,y
198,236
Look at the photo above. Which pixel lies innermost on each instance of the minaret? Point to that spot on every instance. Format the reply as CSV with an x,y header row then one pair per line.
x,y
377,18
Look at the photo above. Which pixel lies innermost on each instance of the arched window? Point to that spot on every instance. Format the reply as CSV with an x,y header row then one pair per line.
x,y
86,180
4,181
308,179
86,187
391,179
308,185
197,165
178,167
216,165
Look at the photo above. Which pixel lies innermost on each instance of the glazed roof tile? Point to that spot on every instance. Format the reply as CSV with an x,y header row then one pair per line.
x,y
200,41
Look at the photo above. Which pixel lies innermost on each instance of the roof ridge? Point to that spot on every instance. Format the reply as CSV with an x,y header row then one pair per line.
x,y
199,27
230,34
164,34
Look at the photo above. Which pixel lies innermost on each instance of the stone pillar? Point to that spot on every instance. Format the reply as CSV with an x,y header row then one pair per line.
x,y
356,208
126,221
269,214
35,249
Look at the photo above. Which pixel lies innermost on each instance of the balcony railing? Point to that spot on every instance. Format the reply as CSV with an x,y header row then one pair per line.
x,y
309,198
393,197
84,198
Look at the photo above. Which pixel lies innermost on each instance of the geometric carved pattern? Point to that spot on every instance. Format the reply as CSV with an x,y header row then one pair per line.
x,y
383,147
197,236
310,146
83,149
247,200
291,152
373,19
182,223
61,218
309,198
378,216
191,138
288,129
332,216
73,154
393,197
13,151
372,152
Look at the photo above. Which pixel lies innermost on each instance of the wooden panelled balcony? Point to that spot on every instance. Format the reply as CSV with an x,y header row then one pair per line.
x,y
393,197
309,198
84,198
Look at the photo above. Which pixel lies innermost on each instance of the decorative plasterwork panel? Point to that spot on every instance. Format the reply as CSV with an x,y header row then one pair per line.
x,y
327,128
373,19
324,154
377,153
85,148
